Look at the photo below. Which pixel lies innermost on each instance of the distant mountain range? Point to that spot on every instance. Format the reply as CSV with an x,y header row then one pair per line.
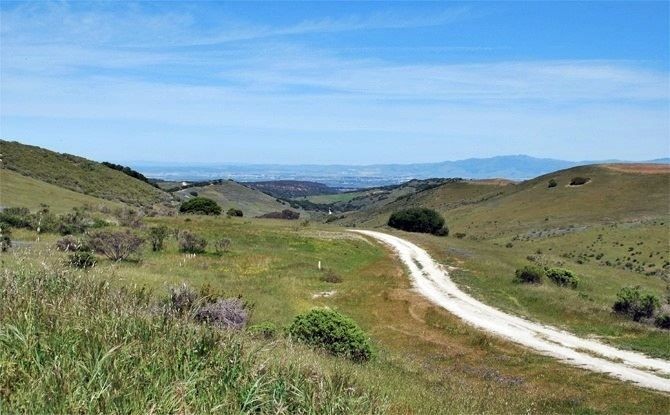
x,y
514,167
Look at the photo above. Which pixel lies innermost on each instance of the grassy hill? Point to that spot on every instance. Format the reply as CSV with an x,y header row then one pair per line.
x,y
289,189
230,194
78,174
21,191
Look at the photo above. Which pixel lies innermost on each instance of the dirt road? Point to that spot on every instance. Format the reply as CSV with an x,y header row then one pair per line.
x,y
432,280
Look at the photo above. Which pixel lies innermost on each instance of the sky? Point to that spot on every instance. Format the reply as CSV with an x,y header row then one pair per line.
x,y
337,83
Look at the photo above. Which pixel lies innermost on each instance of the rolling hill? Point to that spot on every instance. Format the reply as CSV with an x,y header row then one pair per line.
x,y
78,174
230,194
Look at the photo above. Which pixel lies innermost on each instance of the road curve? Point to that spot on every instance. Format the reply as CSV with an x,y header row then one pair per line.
x,y
432,280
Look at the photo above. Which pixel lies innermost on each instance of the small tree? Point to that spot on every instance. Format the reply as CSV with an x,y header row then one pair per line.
x,y
233,212
116,246
200,206
157,235
635,304
552,183
190,242
419,220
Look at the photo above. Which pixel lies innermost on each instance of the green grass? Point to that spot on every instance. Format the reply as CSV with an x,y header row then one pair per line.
x,y
427,360
77,174
339,197
21,191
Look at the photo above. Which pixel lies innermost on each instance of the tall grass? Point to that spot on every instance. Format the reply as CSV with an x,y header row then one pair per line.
x,y
70,344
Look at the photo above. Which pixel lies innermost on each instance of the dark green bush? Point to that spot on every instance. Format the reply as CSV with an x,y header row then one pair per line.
x,y
82,259
234,212
578,181
200,206
552,183
419,220
529,275
563,277
663,321
5,238
16,217
266,330
635,304
333,332
157,237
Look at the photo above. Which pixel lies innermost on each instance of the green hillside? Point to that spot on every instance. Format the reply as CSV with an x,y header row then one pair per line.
x,y
230,194
21,191
78,174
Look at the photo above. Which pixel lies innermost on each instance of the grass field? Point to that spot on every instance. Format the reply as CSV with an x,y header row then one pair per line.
x,y
21,191
428,361
338,197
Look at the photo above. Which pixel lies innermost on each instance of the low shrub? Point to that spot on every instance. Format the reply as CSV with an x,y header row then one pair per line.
x,y
331,277
129,217
552,183
286,214
157,235
663,321
232,212
460,235
333,332
5,238
419,220
191,243
182,299
632,302
225,313
578,181
222,245
529,275
266,330
82,259
563,277
200,206
116,246
69,243
193,193
16,217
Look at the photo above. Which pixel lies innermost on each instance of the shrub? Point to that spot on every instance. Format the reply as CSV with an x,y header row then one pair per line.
x,y
663,321
578,181
228,313
635,304
116,246
69,243
157,235
331,277
529,275
234,212
182,299
193,193
5,238
16,217
552,183
563,277
284,214
266,330
222,245
72,223
82,260
460,235
201,206
333,332
418,220
190,242
129,217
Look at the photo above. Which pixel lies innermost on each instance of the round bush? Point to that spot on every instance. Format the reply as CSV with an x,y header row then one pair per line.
x,y
529,275
578,181
552,183
333,332
631,301
82,260
419,220
563,277
235,212
200,206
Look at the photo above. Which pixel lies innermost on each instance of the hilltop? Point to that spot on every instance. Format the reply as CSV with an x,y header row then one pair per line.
x,y
78,174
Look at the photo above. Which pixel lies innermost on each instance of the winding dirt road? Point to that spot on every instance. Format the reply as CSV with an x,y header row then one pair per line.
x,y
432,280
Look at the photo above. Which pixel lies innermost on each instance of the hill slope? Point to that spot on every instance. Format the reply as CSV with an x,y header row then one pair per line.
x,y
230,194
78,174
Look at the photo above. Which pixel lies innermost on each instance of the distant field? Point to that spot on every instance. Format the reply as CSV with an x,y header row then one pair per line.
x,y
429,362
338,197
21,191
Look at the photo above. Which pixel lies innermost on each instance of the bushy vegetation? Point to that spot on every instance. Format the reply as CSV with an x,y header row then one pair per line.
x,y
579,180
233,212
224,313
109,350
222,245
116,246
529,275
266,330
331,277
128,171
200,206
552,183
563,277
333,332
82,259
634,303
419,220
5,238
286,214
157,235
663,321
191,243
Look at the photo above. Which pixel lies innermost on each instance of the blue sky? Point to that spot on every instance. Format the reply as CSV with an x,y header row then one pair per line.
x,y
337,82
